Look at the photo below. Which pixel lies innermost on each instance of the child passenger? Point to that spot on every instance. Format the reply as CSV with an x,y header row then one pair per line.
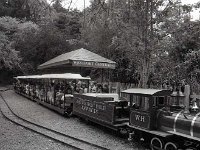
x,y
92,87
79,89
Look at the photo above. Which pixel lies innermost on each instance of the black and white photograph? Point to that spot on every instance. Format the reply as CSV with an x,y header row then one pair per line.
x,y
99,74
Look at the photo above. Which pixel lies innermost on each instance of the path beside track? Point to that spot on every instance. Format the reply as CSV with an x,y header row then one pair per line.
x,y
14,137
49,133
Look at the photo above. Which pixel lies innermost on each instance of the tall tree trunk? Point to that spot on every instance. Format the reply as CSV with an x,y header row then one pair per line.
x,y
144,75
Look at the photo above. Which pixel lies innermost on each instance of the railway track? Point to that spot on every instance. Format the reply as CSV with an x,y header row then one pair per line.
x,y
49,133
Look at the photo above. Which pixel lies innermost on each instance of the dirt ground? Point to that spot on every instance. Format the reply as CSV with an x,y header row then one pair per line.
x,y
14,137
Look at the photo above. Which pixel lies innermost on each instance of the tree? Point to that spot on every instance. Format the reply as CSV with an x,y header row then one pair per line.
x,y
8,55
33,10
142,32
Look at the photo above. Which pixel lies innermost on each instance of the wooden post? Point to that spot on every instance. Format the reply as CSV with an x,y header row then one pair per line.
x,y
102,76
110,87
80,70
109,83
187,97
118,88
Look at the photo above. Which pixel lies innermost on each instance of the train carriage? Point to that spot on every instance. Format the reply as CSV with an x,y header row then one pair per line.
x,y
24,85
105,109
50,90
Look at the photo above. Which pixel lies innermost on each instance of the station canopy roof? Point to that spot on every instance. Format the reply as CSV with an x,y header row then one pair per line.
x,y
79,58
148,92
64,76
71,76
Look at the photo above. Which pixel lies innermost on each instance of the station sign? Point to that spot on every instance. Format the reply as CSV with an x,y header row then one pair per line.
x,y
139,119
93,64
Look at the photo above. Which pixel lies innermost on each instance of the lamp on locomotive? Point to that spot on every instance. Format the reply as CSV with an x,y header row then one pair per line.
x,y
177,99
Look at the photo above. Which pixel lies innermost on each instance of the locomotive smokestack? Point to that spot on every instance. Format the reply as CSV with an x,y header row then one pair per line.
x,y
186,98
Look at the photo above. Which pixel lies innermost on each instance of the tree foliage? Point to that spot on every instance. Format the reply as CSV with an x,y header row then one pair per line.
x,y
33,10
8,55
151,40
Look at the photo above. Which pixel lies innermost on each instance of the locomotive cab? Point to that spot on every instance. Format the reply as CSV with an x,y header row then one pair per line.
x,y
144,106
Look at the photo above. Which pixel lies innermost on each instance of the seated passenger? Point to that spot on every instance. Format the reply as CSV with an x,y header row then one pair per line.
x,y
59,96
79,89
105,88
27,88
92,87
52,93
37,93
84,87
42,94
99,88
49,95
68,89
31,91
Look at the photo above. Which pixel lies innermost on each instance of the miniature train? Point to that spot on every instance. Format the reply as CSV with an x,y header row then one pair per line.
x,y
146,114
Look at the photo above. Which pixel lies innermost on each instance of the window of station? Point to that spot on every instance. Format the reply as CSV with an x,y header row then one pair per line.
x,y
140,102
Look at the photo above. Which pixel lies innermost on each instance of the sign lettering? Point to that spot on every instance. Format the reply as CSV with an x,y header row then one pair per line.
x,y
140,118
89,63
90,106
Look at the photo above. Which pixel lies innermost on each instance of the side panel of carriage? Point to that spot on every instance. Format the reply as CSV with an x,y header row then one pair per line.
x,y
101,110
59,105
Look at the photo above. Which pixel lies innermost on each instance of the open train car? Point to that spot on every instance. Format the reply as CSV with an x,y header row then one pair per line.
x,y
152,121
54,91
51,91
105,109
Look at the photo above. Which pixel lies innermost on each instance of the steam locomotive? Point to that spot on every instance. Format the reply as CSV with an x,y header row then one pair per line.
x,y
146,115
152,121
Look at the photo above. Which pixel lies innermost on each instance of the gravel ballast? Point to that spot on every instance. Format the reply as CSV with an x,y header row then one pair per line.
x,y
71,126
14,137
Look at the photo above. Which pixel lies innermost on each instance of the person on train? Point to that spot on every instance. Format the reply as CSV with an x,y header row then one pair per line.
x,y
92,87
79,89
31,90
68,89
51,98
37,91
42,94
56,87
99,88
84,87
105,88
72,86
62,86
59,96
27,88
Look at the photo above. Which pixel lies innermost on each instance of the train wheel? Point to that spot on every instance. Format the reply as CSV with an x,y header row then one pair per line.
x,y
156,143
171,146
